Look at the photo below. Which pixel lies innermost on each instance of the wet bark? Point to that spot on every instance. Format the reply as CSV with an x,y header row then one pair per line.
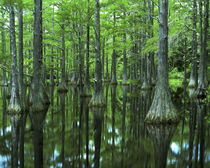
x,y
162,109
98,97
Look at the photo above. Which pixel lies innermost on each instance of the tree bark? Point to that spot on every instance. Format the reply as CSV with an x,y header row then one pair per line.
x,y
87,91
63,87
39,96
98,96
162,109
3,42
201,89
193,74
14,103
114,73
124,57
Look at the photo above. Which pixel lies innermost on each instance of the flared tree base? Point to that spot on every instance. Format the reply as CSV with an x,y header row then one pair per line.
x,y
86,91
192,84
201,91
42,100
14,108
162,110
145,86
113,82
62,88
14,104
97,101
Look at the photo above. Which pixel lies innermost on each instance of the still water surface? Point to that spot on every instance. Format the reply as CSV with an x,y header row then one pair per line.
x,y
70,134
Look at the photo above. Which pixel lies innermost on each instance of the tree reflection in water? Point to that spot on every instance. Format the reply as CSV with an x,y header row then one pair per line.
x,y
37,120
161,136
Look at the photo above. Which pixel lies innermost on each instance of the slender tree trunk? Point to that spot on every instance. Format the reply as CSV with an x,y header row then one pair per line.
x,y
162,109
98,97
20,53
14,103
114,73
87,91
3,42
193,74
201,89
107,67
145,84
124,57
63,87
205,39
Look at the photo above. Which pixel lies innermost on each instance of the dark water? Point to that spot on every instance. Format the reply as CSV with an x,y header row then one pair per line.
x,y
69,134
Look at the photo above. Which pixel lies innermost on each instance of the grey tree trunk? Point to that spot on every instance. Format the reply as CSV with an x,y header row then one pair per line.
x,y
22,89
39,96
162,109
98,96
87,91
124,57
201,89
3,42
114,72
193,74
145,85
14,103
62,87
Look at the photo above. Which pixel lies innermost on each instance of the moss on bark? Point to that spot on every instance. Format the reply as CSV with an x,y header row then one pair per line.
x,y
162,109
62,87
97,101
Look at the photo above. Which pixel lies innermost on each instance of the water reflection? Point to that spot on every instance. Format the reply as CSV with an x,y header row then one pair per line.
x,y
161,136
98,116
72,135
14,121
37,120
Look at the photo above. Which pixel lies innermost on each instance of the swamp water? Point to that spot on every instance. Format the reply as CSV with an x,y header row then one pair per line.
x,y
71,135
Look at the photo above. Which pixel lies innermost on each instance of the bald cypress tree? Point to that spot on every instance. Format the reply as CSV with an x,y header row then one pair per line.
x,y
98,96
14,104
39,96
162,109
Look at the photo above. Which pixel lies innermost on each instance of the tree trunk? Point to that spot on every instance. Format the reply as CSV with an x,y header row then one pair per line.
x,y
87,91
3,42
114,73
14,104
98,96
39,96
124,57
201,89
193,74
145,85
63,87
162,109
205,39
